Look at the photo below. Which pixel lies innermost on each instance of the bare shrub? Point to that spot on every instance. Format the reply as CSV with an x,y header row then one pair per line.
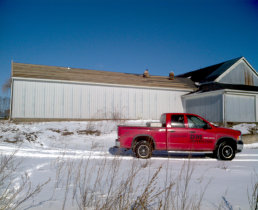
x,y
31,136
225,204
67,133
94,145
7,85
253,130
90,130
15,192
253,195
145,164
55,130
117,116
100,184
150,194
180,198
223,166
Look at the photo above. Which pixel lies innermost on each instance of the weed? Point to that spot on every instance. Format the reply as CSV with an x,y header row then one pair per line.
x,y
31,136
89,132
94,145
227,204
55,130
223,166
253,195
14,193
102,185
145,164
67,133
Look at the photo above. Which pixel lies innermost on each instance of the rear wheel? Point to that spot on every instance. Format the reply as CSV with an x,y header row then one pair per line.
x,y
225,151
143,150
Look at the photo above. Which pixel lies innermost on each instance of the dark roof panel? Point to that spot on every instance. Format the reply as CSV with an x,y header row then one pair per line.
x,y
219,86
209,73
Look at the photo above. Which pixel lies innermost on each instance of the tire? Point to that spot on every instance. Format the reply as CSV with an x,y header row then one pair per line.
x,y
225,151
143,150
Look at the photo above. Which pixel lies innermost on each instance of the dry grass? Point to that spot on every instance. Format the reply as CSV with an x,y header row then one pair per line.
x,y
250,138
102,185
55,130
253,194
14,191
67,133
107,184
89,132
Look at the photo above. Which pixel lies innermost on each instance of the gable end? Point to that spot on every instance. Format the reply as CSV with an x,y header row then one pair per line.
x,y
240,73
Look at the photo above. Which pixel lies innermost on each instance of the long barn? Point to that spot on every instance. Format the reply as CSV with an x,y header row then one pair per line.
x,y
49,92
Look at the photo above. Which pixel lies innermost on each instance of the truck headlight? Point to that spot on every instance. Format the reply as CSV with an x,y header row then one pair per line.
x,y
239,138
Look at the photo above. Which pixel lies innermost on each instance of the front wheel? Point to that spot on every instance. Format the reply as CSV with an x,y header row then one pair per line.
x,y
225,151
143,150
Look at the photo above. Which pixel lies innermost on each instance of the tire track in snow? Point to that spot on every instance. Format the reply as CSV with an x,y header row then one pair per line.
x,y
79,154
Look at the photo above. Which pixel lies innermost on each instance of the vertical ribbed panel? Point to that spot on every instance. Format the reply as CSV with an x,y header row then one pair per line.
x,y
61,100
209,107
239,108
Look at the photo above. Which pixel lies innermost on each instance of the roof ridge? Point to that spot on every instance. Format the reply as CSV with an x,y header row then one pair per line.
x,y
226,65
221,63
210,72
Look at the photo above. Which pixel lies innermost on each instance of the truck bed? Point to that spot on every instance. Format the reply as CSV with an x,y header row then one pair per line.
x,y
127,134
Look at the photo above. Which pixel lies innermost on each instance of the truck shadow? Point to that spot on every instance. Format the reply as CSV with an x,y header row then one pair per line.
x,y
161,154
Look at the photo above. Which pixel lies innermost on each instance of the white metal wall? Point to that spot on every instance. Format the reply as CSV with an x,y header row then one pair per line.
x,y
240,108
207,106
66,100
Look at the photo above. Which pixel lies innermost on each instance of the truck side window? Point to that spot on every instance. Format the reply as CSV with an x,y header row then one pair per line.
x,y
177,121
163,120
195,122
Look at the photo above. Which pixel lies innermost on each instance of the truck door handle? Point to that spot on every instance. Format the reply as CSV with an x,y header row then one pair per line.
x,y
172,131
192,131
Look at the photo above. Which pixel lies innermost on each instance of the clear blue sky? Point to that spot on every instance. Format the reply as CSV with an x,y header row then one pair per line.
x,y
127,36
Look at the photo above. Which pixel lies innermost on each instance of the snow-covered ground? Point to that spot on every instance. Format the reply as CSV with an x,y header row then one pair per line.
x,y
245,128
47,149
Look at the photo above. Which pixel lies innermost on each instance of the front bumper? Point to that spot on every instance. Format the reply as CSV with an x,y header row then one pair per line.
x,y
240,146
117,143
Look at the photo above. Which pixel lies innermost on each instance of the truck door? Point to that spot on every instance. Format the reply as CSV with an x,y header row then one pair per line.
x,y
177,136
200,134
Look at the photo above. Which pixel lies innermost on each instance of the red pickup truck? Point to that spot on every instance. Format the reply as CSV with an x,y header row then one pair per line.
x,y
180,132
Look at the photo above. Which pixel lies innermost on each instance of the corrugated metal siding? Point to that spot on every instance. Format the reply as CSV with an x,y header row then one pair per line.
x,y
61,100
241,74
239,108
209,107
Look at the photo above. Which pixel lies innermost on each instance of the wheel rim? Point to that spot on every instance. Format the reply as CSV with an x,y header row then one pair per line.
x,y
143,150
227,151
